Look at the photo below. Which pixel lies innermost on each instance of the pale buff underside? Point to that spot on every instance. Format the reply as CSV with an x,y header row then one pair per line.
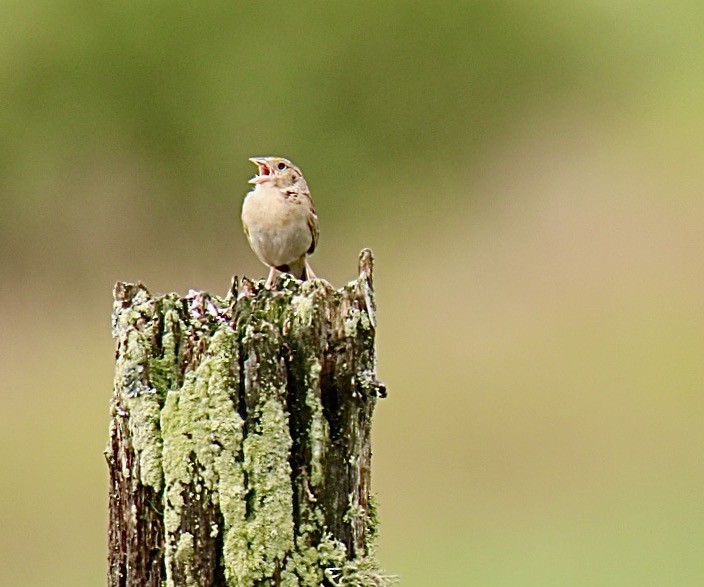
x,y
277,228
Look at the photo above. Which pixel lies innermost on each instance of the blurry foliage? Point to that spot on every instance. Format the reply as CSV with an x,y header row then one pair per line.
x,y
178,94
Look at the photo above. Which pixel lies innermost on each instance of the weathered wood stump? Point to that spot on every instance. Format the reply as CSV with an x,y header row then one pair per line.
x,y
239,449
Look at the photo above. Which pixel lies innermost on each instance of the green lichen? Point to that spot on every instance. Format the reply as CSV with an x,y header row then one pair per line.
x,y
303,308
372,523
359,572
163,368
354,510
324,558
318,433
268,530
138,398
307,308
354,320
311,565
184,556
202,434
146,440
190,438
185,548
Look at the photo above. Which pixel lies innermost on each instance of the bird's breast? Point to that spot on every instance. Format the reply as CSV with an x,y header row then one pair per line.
x,y
277,228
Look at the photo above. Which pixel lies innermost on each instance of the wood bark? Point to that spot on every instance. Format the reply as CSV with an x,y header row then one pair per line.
x,y
239,450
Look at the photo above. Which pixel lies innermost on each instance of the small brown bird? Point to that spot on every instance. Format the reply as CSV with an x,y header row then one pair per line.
x,y
279,218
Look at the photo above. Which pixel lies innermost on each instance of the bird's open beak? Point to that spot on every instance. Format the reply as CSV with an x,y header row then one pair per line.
x,y
264,170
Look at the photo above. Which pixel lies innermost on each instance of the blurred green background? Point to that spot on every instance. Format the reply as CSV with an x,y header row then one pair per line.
x,y
530,177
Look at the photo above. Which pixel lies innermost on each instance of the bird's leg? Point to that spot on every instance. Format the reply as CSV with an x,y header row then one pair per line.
x,y
271,280
309,272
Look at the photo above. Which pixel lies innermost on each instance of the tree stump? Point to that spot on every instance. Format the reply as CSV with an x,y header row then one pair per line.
x,y
239,449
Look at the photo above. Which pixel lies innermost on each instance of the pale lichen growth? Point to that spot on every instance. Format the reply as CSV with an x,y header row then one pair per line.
x,y
366,381
202,433
354,319
185,548
303,308
268,530
328,560
186,408
359,572
184,557
140,399
163,369
318,431
354,509
146,440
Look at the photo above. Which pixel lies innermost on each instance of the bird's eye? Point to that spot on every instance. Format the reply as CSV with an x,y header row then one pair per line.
x,y
281,166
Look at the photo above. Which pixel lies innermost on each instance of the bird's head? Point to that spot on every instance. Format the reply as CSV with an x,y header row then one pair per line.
x,y
276,170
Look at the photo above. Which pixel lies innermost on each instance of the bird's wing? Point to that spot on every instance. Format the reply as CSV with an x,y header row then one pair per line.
x,y
314,228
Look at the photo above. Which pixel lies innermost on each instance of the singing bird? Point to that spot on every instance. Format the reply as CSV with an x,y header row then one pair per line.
x,y
279,218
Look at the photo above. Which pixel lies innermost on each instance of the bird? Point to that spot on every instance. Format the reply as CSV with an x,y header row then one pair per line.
x,y
279,219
